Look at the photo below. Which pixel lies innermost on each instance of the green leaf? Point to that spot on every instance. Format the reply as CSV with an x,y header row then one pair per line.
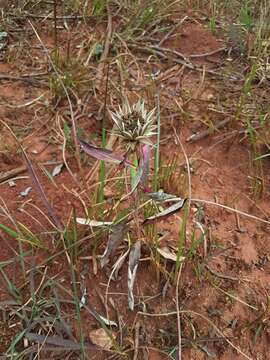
x,y
9,231
28,236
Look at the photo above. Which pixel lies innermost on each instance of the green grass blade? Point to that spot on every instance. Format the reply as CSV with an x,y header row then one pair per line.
x,y
9,231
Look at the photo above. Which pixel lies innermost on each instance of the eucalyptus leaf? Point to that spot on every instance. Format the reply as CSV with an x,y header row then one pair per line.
x,y
25,192
161,196
92,223
103,154
165,213
52,214
101,338
134,257
142,173
115,238
168,254
58,168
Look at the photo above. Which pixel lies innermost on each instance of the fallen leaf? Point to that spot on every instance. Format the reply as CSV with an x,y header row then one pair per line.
x,y
58,168
165,213
11,183
83,298
134,257
92,223
115,238
26,191
161,196
40,190
107,321
118,264
101,338
169,255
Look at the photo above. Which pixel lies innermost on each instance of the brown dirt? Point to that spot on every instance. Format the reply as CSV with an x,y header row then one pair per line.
x,y
236,246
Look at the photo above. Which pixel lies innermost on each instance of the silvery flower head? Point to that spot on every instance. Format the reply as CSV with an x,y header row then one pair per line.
x,y
134,124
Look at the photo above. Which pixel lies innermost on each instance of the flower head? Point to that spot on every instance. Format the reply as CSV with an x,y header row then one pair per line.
x,y
134,124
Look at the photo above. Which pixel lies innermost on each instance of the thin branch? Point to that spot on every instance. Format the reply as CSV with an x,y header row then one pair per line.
x,y
172,30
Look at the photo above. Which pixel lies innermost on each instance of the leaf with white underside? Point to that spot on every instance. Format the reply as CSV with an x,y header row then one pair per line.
x,y
115,238
107,322
134,257
83,298
26,191
103,154
165,213
168,254
142,173
57,169
101,338
118,264
92,223
161,196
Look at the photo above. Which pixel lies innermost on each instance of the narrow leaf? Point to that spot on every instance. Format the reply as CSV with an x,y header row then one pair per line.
x,y
28,236
161,196
83,298
42,195
57,169
142,173
26,191
9,231
165,213
134,257
53,340
92,223
146,150
118,264
103,154
108,322
115,238
168,254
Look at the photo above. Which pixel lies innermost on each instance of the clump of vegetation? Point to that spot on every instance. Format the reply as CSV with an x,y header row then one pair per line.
x,y
110,243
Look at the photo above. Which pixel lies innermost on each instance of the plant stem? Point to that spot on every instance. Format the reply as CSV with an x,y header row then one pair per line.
x,y
156,160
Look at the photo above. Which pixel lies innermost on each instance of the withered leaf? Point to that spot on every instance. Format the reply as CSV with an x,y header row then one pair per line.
x,y
115,238
103,154
92,223
165,213
142,173
134,257
101,338
168,254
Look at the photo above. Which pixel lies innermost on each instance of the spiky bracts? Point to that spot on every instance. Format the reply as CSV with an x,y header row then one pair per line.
x,y
134,124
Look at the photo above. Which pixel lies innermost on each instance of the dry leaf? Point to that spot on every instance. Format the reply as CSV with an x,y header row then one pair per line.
x,y
103,154
92,223
51,212
167,254
58,168
115,238
118,264
134,257
26,191
143,170
161,196
108,322
165,213
101,338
